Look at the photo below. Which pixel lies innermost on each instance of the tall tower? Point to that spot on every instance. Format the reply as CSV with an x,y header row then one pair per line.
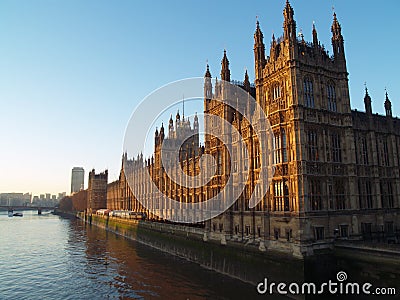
x,y
77,179
304,93
97,191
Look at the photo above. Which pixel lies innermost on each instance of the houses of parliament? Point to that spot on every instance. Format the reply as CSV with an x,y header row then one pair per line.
x,y
337,170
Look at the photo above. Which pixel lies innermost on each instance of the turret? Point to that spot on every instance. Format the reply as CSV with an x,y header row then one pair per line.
x,y
367,102
196,122
225,72
156,137
259,51
177,119
170,127
162,135
388,106
207,84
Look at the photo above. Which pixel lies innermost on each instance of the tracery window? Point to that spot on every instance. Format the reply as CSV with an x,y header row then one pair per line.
x,y
276,92
314,194
280,153
281,196
336,148
308,93
331,94
313,146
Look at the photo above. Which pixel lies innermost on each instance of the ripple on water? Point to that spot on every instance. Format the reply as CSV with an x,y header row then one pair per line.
x,y
47,257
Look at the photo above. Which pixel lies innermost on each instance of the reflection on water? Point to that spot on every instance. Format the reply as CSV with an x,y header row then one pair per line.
x,y
47,257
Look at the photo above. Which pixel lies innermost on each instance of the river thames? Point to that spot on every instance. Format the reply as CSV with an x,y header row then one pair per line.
x,y
49,257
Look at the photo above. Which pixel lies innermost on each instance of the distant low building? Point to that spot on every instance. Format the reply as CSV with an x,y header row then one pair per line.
x,y
15,199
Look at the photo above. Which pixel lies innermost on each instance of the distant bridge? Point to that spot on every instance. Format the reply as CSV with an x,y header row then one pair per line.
x,y
38,208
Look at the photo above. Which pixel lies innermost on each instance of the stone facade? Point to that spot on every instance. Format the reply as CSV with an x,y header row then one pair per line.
x,y
337,170
97,191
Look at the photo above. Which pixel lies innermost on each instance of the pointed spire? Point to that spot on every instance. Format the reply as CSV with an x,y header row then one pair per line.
x,y
225,72
337,41
195,122
367,101
315,35
336,28
162,135
208,73
288,11
183,107
170,126
289,23
259,51
258,35
388,105
246,82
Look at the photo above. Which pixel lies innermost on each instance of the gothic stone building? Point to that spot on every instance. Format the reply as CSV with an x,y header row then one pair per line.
x,y
337,169
97,191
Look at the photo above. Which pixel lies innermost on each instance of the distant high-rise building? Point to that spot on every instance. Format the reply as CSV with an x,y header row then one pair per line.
x,y
77,179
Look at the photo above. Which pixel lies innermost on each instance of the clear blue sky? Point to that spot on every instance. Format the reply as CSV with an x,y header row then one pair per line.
x,y
71,72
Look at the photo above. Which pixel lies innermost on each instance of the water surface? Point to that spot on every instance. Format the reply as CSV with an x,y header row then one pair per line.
x,y
49,257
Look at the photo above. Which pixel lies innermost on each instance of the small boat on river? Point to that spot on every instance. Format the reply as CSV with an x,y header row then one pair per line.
x,y
18,214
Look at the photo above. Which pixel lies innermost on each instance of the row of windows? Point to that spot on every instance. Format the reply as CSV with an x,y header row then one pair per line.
x,y
337,196
335,152
309,95
342,231
276,94
366,230
362,151
279,155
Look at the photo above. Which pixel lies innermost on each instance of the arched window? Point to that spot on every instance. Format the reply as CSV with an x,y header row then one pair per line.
x,y
308,93
276,92
281,196
284,152
257,163
331,93
277,152
280,153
